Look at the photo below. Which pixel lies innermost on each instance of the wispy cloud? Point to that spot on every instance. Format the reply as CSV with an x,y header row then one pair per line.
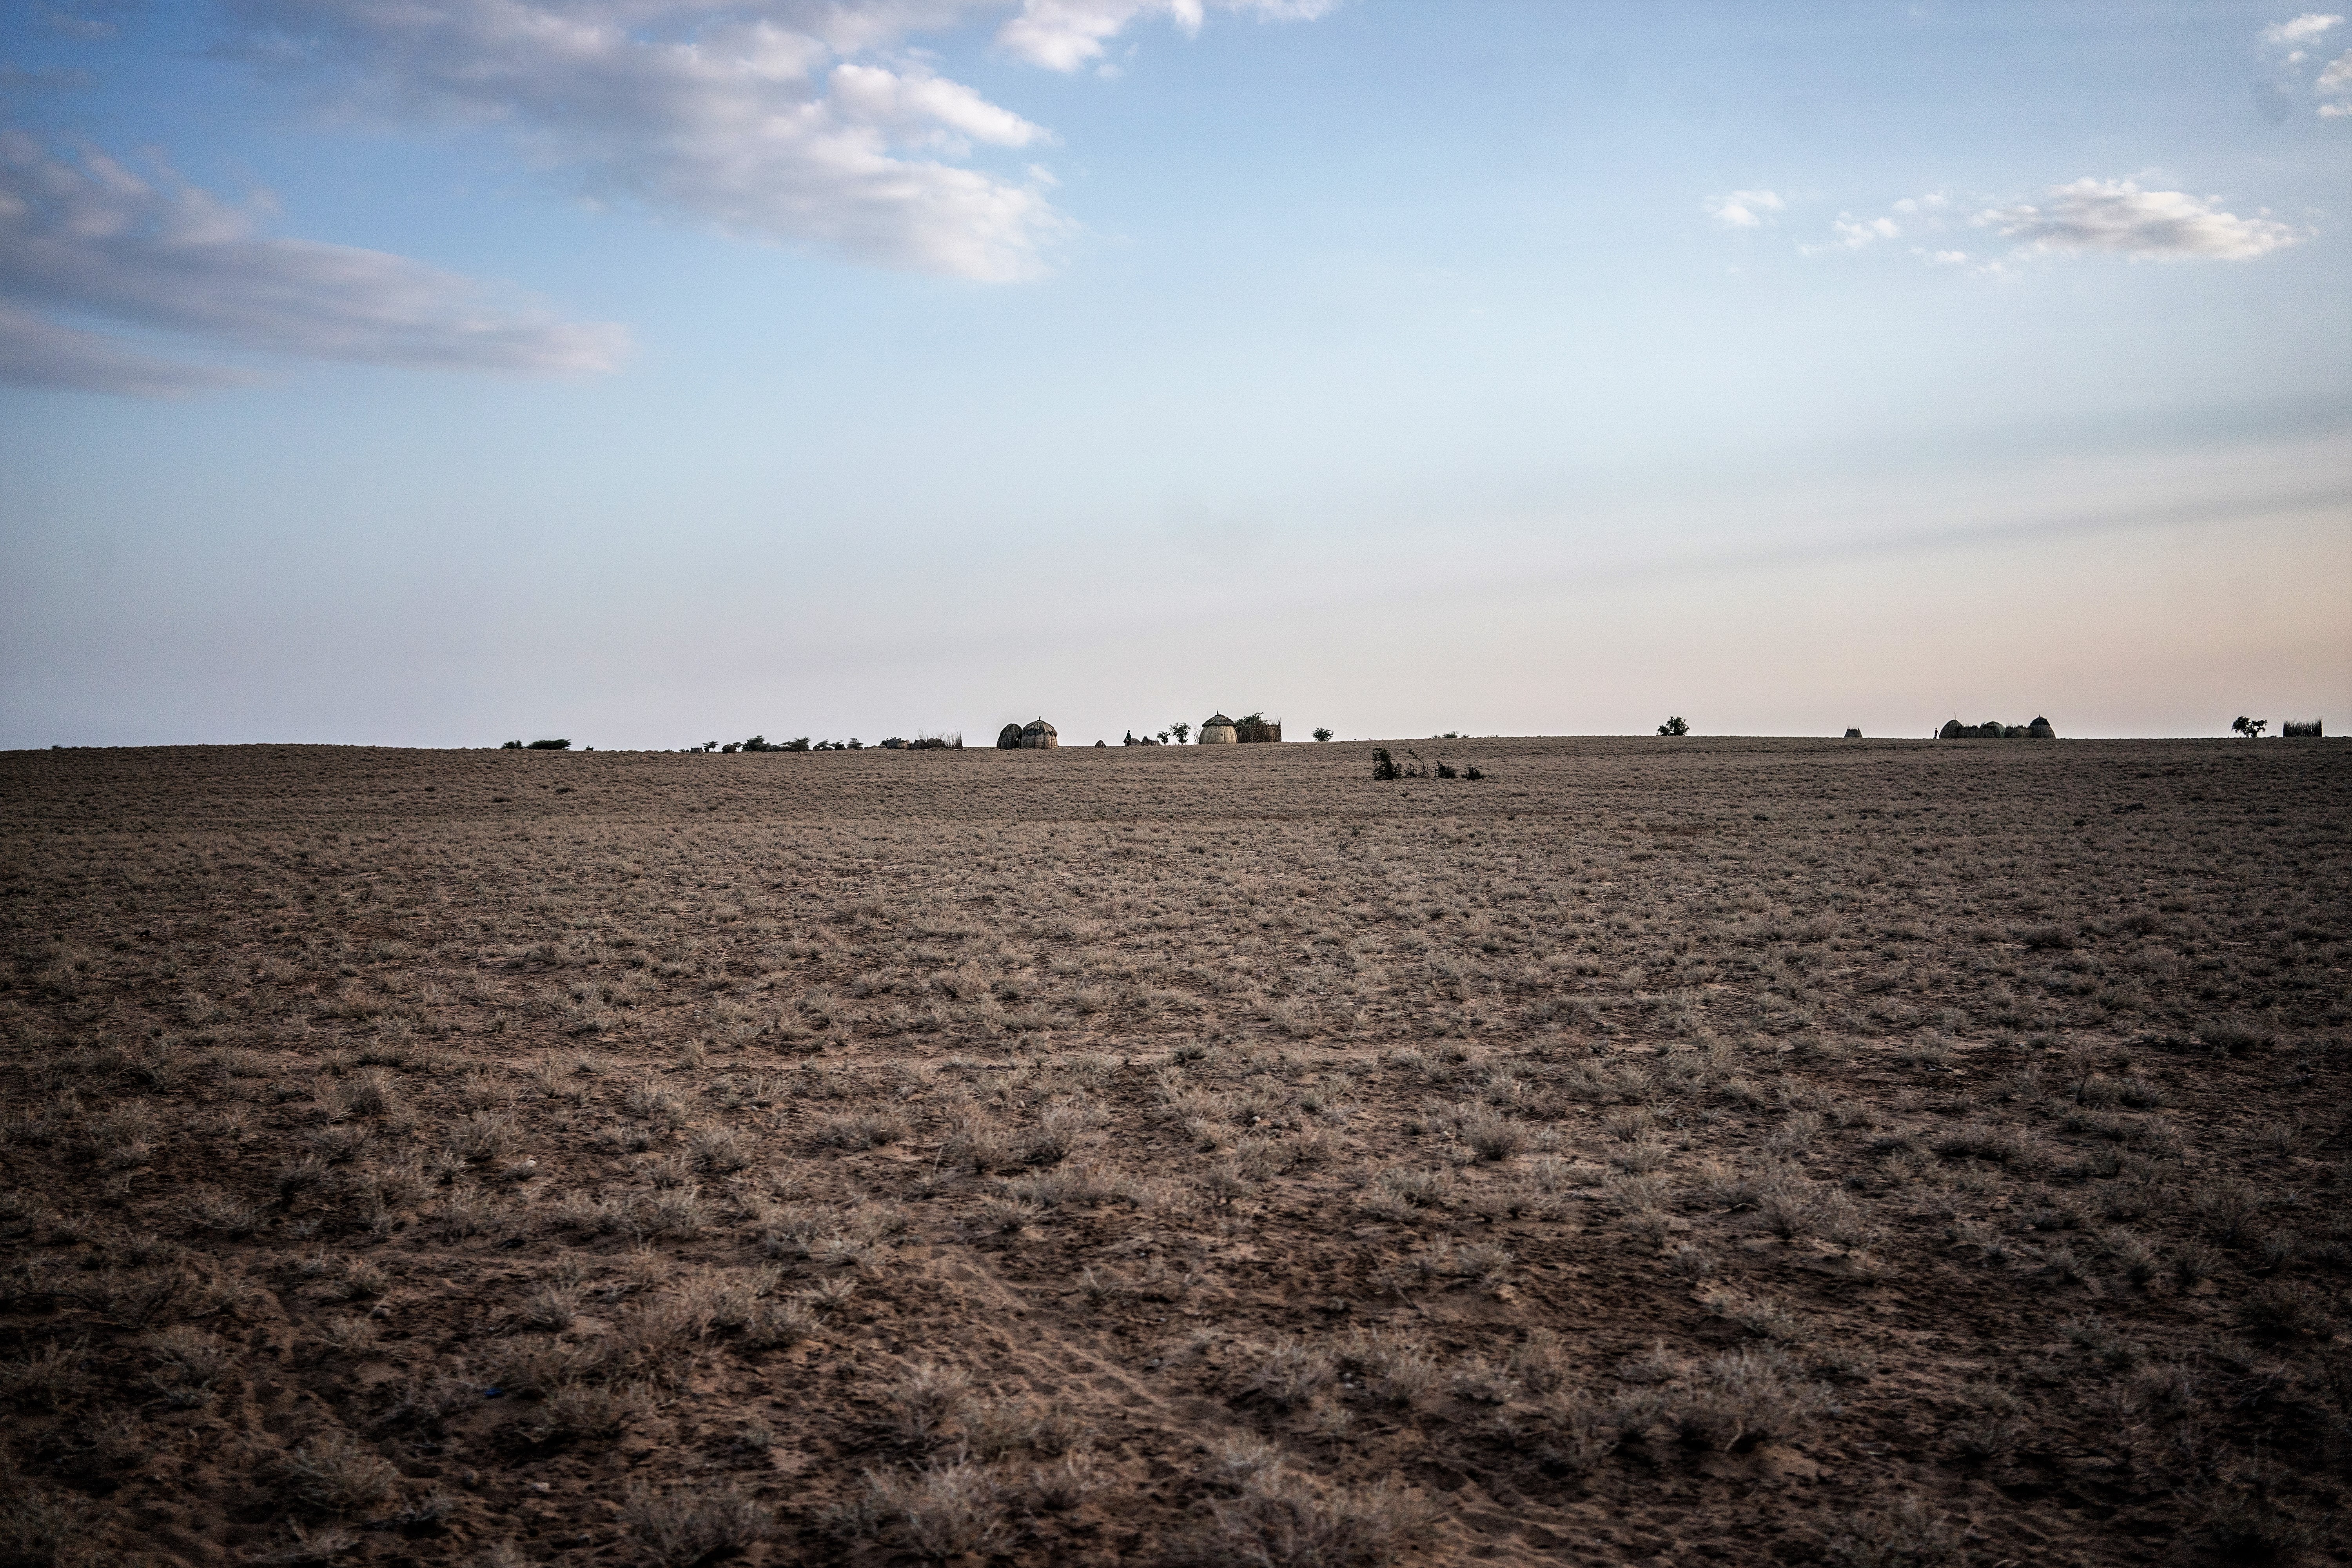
x,y
2335,82
1745,209
802,120
2300,31
2117,217
2286,48
2113,217
1064,34
90,241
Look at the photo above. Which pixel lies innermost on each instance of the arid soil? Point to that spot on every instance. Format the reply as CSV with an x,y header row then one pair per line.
x,y
1657,1151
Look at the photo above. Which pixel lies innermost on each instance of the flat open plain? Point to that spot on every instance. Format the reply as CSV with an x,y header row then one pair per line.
x,y
1660,1151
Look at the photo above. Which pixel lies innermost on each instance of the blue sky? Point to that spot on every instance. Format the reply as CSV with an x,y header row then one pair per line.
x,y
651,371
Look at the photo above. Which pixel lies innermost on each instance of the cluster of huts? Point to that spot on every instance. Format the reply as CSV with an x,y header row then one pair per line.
x,y
1216,729
1994,730
1034,736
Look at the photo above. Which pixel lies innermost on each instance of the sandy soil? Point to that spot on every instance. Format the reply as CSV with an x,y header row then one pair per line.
x,y
1657,1151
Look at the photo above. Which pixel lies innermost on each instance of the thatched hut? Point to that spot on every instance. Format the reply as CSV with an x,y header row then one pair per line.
x,y
1217,730
1256,727
1851,733
2303,729
1039,736
2040,730
1009,738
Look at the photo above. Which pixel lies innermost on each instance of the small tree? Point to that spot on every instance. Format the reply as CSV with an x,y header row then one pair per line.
x,y
511,746
1182,731
2252,728
1384,767
1322,734
549,746
1673,726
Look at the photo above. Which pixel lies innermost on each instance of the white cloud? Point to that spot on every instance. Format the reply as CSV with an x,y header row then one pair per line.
x,y
1063,35
1745,209
2290,69
2118,217
94,241
2301,30
2336,82
928,108
790,119
1854,233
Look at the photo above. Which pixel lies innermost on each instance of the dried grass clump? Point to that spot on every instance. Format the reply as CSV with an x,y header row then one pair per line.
x,y
1284,1520
1737,1400
925,1403
936,1513
1904,1533
335,1473
44,1526
677,1528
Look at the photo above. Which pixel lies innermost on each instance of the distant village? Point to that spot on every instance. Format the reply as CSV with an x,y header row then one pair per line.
x,y
1040,735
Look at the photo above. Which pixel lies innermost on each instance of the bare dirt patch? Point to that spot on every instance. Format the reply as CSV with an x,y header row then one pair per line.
x,y
1653,1151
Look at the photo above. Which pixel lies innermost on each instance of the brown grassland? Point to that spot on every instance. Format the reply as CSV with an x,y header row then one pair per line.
x,y
1659,1151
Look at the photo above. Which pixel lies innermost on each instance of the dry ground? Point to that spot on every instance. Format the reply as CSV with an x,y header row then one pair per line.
x,y
1660,1151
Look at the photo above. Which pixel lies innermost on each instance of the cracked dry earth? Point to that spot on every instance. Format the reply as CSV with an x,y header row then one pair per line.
x,y
1653,1152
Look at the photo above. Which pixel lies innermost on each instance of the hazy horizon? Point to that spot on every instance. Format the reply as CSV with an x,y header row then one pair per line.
x,y
651,372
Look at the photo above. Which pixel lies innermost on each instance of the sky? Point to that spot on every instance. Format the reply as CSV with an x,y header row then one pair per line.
x,y
643,373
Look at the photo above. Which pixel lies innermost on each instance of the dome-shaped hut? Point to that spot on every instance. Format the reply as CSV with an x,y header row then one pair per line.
x,y
1217,730
1039,736
1009,738
2040,730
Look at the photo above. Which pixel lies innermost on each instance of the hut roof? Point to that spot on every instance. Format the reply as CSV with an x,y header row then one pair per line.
x,y
1215,719
1039,726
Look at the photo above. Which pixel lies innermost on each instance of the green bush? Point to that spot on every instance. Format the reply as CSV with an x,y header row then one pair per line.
x,y
549,746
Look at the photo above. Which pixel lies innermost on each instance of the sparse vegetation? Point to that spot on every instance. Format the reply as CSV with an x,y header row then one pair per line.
x,y
1162,1162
